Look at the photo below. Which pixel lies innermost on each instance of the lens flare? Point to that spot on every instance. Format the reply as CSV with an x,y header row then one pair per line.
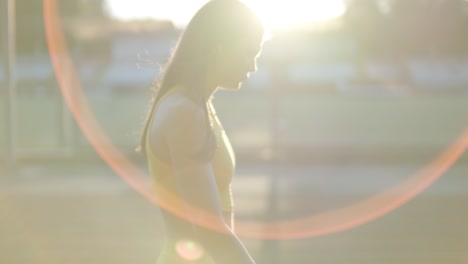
x,y
189,250
309,226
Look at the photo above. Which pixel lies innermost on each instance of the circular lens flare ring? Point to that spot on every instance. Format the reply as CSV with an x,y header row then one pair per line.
x,y
310,226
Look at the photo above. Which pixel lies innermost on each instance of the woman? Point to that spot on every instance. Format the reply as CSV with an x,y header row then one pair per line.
x,y
187,150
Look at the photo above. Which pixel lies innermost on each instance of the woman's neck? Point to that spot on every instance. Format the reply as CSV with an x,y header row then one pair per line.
x,y
211,86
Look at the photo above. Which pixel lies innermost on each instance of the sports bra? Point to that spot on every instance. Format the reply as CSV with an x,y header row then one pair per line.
x,y
223,162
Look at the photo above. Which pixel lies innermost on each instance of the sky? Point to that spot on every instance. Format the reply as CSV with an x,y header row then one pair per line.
x,y
275,13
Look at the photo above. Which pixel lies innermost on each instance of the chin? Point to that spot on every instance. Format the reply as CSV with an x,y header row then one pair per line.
x,y
232,86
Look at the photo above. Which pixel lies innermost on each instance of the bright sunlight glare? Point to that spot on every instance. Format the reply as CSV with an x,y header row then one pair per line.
x,y
275,13
284,14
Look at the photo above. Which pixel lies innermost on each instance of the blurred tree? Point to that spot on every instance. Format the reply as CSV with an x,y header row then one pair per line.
x,y
84,8
30,33
29,27
364,21
429,27
409,27
450,28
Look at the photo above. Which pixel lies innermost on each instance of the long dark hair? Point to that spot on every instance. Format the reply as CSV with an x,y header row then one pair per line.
x,y
217,23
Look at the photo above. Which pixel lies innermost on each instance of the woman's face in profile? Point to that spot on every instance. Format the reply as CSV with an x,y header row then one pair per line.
x,y
237,61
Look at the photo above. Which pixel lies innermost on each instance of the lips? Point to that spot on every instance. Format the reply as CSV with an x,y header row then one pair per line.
x,y
245,77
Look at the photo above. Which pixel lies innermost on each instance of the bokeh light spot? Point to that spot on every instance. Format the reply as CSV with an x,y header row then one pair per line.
x,y
189,250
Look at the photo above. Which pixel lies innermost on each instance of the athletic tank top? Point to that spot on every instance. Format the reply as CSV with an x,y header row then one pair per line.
x,y
223,162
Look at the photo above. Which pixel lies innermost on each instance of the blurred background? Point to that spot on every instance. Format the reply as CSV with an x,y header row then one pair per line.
x,y
351,97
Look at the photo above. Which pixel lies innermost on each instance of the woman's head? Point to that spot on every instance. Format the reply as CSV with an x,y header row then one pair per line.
x,y
219,46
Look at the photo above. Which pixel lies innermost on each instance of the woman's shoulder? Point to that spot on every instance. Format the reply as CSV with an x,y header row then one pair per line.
x,y
177,112
180,108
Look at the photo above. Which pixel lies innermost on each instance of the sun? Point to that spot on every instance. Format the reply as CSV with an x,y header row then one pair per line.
x,y
178,11
276,14
291,13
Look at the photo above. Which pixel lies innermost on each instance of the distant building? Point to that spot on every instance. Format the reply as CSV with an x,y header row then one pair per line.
x,y
120,56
